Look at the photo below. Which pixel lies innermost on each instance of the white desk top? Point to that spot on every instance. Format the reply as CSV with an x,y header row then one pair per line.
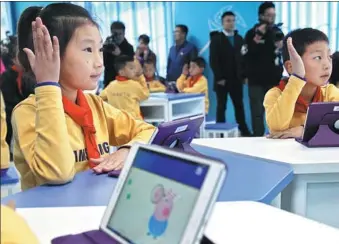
x,y
231,222
304,160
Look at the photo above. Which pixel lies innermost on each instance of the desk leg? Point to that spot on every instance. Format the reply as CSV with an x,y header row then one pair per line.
x,y
277,201
315,196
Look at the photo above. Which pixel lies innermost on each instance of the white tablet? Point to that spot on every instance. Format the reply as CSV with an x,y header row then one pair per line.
x,y
162,196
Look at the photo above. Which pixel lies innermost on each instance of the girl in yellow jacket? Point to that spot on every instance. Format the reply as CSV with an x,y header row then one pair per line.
x,y
196,82
307,58
60,131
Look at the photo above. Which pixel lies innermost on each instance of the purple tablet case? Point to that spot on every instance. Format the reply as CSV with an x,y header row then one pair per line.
x,y
320,130
114,173
178,134
89,237
98,237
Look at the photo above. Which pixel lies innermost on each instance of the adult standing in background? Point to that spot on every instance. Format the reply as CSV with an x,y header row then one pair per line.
x,y
181,53
263,62
143,52
227,65
114,46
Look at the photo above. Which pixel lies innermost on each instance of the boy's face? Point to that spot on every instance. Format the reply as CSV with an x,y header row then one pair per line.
x,y
195,69
149,70
128,71
318,63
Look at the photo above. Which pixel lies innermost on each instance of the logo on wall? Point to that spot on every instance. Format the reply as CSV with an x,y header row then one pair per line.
x,y
214,24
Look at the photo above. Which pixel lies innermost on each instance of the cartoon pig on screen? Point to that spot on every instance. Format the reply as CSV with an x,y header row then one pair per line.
x,y
163,201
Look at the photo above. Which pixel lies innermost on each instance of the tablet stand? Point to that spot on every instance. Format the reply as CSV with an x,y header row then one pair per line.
x,y
187,148
324,137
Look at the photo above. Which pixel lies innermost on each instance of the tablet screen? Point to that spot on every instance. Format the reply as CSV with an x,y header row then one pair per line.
x,y
157,199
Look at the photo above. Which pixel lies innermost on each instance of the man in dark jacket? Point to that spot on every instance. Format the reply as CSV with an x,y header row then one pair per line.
x,y
115,45
227,66
181,53
263,62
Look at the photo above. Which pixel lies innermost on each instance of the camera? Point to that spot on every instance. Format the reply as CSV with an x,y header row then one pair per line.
x,y
111,43
273,30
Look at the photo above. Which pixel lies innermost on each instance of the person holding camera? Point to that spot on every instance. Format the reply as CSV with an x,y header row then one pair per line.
x,y
264,68
114,46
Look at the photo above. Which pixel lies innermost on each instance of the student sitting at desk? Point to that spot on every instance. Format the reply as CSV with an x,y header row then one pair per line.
x,y
154,85
129,88
60,131
307,59
196,82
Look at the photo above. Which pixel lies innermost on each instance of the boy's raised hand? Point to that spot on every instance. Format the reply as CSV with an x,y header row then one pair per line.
x,y
185,69
298,67
45,61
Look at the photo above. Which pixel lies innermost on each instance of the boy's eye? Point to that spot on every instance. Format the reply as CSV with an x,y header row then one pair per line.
x,y
101,50
317,58
89,49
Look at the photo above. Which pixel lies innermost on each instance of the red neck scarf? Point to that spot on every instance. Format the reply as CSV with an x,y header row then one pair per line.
x,y
121,78
193,79
301,104
19,77
81,113
149,78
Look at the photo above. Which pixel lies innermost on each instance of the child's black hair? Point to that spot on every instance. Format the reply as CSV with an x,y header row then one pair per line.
x,y
61,20
121,61
301,38
144,38
200,62
150,61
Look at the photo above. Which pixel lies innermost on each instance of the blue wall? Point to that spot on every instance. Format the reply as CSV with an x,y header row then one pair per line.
x,y
204,17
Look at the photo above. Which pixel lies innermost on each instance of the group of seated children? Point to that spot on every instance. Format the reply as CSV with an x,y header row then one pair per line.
x,y
60,131
134,83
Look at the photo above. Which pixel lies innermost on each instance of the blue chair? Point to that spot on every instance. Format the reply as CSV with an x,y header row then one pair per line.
x,y
10,181
215,130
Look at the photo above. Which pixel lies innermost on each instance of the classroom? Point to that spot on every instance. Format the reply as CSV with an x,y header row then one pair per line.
x,y
169,122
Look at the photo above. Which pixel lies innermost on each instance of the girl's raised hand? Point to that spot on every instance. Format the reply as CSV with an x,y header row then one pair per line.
x,y
45,61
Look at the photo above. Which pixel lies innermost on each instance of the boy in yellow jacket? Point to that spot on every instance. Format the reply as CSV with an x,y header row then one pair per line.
x,y
153,84
14,229
4,145
129,88
307,59
196,82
